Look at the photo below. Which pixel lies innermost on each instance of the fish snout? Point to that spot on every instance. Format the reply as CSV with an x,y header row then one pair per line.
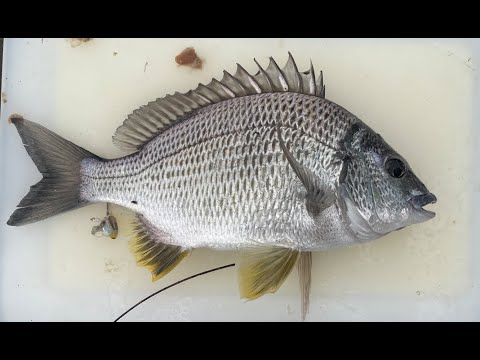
x,y
419,201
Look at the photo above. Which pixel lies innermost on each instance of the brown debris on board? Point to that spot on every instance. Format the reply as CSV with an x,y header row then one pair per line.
x,y
74,42
189,57
4,97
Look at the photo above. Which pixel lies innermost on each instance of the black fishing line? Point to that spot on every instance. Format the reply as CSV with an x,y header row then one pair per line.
x,y
172,285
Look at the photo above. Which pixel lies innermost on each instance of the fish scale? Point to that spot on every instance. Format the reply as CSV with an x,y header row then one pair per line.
x,y
204,179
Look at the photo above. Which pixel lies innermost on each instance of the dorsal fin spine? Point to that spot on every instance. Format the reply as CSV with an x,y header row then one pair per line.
x,y
265,75
230,77
150,120
209,93
224,88
311,82
282,79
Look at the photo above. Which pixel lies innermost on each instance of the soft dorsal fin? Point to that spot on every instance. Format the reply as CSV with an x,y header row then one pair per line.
x,y
157,116
150,251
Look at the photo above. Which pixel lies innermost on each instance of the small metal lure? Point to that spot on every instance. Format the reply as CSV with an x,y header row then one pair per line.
x,y
107,226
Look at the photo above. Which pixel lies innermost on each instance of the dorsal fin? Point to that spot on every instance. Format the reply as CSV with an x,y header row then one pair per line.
x,y
157,116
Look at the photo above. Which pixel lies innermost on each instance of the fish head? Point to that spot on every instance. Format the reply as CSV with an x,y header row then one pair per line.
x,y
380,189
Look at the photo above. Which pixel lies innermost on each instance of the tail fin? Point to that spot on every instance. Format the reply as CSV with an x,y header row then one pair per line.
x,y
59,162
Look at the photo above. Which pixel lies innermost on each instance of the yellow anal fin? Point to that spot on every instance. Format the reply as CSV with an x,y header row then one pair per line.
x,y
148,246
264,270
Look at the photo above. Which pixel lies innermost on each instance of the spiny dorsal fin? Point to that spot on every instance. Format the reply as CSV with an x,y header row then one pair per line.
x,y
263,270
150,251
157,116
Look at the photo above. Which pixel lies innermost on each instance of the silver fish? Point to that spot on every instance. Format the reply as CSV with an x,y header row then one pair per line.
x,y
259,163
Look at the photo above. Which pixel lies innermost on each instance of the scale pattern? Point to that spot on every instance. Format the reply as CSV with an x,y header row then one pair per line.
x,y
219,178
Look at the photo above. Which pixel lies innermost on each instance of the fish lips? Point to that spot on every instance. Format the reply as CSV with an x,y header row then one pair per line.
x,y
419,201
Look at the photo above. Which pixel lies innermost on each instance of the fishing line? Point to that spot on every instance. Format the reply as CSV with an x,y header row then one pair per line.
x,y
172,285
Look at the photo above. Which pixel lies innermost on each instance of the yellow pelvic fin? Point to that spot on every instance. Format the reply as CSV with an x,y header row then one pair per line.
x,y
264,270
150,251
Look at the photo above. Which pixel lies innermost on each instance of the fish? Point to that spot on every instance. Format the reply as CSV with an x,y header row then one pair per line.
x,y
262,164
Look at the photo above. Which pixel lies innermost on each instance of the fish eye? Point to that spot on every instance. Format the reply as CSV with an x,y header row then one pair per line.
x,y
395,167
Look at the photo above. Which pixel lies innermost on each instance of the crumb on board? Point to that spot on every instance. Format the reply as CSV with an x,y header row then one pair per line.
x,y
115,53
110,266
15,118
74,42
189,57
4,97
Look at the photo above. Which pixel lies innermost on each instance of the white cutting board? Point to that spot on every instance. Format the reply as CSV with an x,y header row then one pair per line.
x,y
421,95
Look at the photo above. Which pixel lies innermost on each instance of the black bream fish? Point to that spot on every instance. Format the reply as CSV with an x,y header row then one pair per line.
x,y
263,164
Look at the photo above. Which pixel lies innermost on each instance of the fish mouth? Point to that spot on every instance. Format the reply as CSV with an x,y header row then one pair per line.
x,y
419,201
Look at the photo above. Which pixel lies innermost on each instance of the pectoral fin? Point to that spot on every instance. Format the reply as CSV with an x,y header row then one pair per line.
x,y
148,246
319,195
264,270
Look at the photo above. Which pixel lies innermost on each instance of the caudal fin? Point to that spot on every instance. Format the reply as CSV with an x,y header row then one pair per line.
x,y
59,162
